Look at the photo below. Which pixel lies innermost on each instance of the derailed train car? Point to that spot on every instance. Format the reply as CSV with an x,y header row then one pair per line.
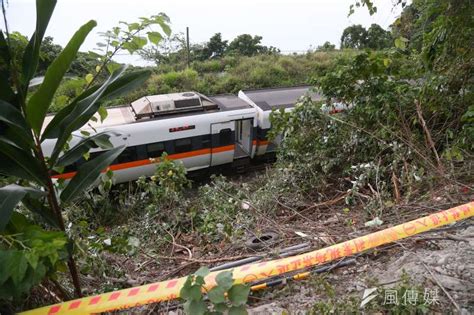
x,y
202,132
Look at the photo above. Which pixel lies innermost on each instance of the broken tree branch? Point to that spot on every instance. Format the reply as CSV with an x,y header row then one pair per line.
x,y
201,261
429,139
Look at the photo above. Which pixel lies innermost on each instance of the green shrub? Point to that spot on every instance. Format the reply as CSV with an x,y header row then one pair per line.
x,y
28,254
182,80
217,210
225,298
216,65
229,75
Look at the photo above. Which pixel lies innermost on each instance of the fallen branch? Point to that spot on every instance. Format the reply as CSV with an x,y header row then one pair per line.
x,y
200,261
179,245
396,187
128,281
427,132
177,270
51,293
316,205
64,294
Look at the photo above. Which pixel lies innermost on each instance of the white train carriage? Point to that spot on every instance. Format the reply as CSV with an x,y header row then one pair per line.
x,y
266,100
201,132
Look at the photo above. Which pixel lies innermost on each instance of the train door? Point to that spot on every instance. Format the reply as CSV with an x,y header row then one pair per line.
x,y
243,138
222,143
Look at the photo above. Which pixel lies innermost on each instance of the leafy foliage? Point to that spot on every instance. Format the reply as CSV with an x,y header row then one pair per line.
x,y
173,50
216,46
218,212
327,46
376,148
246,45
160,196
356,36
233,73
225,297
379,145
129,37
378,38
28,253
11,195
167,185
38,103
22,122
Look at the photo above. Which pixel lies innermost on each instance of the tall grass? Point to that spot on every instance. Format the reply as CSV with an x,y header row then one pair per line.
x,y
231,74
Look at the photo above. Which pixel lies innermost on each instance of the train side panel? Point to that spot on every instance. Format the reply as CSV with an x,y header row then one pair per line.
x,y
199,142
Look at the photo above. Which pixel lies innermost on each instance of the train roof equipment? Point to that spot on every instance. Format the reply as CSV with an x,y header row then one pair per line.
x,y
165,104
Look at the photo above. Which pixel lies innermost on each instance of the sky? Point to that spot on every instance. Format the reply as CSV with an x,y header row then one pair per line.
x,y
290,25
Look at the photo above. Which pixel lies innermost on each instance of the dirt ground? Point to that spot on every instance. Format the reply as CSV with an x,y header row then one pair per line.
x,y
438,264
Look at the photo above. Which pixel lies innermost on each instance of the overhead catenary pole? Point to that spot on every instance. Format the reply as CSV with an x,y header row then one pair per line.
x,y
187,46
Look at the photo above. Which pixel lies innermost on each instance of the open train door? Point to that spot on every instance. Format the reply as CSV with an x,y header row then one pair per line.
x,y
222,143
244,138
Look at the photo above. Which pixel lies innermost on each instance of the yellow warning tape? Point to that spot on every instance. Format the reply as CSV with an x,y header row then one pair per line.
x,y
169,290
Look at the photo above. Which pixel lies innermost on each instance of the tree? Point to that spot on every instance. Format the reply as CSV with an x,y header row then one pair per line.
x,y
171,50
34,251
216,46
357,37
378,38
18,43
84,63
48,52
327,46
354,36
406,25
246,45
270,50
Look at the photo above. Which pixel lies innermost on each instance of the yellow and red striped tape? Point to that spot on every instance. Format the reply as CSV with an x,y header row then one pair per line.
x,y
169,290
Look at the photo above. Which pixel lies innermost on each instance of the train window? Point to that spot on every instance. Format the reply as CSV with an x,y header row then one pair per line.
x,y
70,168
262,133
182,145
225,136
128,155
141,152
93,155
206,141
155,149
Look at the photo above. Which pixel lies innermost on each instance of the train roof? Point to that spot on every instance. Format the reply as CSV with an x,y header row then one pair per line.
x,y
120,115
266,99
275,98
229,102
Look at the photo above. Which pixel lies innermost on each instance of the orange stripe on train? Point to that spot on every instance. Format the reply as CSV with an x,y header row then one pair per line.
x,y
176,156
